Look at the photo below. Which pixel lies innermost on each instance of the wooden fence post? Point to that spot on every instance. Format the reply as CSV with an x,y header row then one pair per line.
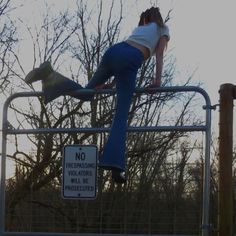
x,y
225,200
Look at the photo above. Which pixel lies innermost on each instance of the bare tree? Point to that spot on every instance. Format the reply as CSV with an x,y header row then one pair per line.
x,y
55,38
7,42
70,37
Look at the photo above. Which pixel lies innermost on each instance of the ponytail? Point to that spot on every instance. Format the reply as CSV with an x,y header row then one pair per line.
x,y
151,15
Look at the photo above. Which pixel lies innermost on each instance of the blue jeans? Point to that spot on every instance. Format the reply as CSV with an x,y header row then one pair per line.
x,y
121,61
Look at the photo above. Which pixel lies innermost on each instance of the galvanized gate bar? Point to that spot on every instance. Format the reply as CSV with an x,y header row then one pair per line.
x,y
103,130
81,234
205,230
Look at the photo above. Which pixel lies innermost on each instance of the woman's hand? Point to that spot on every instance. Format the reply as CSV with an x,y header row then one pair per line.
x,y
105,86
154,84
151,88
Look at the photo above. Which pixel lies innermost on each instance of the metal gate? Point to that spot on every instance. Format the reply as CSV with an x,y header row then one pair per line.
x,y
205,227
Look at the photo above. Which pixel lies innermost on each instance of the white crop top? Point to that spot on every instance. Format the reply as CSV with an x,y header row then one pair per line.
x,y
148,35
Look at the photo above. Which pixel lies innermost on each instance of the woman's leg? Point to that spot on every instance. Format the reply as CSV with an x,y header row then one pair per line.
x,y
113,157
101,75
125,64
55,84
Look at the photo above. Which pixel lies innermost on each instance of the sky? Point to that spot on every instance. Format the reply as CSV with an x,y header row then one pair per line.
x,y
202,35
203,40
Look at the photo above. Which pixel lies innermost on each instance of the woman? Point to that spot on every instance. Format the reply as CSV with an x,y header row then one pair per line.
x,y
121,61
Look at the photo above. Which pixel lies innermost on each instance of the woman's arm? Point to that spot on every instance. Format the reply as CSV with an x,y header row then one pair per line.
x,y
162,44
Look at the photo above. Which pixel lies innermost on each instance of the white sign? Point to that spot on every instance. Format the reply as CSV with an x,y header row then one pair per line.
x,y
79,172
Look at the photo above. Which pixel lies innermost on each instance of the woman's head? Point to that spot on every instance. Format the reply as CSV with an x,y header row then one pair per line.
x,y
151,15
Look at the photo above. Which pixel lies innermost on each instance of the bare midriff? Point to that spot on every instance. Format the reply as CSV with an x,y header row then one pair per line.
x,y
143,49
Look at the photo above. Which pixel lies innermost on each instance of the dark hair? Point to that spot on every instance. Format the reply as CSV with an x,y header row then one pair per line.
x,y
151,15
141,19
